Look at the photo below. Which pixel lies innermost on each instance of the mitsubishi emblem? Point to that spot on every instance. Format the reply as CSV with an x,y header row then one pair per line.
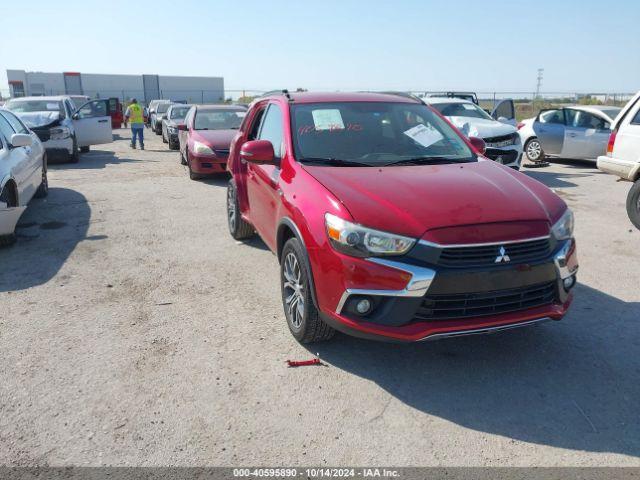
x,y
502,256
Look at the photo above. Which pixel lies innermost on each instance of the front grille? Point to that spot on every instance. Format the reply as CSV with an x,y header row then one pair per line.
x,y
464,305
501,156
501,141
43,134
491,255
222,152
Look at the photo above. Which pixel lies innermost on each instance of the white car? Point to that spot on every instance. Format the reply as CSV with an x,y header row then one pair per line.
x,y
63,130
500,136
623,154
23,172
576,131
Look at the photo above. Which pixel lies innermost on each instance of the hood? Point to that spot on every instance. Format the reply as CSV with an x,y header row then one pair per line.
x,y
481,127
39,119
412,200
216,138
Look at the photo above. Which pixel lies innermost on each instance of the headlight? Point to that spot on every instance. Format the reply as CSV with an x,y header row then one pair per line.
x,y
59,133
172,129
202,149
358,241
563,228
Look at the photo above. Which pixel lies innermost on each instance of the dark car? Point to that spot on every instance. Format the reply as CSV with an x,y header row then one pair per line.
x,y
175,117
206,135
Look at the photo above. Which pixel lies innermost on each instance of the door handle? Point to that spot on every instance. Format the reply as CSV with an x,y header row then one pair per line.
x,y
102,121
572,134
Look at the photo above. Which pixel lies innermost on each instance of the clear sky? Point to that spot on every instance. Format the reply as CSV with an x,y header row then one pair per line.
x,y
336,44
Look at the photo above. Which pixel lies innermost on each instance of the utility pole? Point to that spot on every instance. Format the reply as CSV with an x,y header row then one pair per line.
x,y
538,85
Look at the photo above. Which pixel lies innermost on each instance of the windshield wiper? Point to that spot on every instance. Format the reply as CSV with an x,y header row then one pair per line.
x,y
425,160
334,162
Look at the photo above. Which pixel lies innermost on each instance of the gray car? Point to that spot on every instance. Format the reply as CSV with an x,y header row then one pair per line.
x,y
576,131
174,117
156,114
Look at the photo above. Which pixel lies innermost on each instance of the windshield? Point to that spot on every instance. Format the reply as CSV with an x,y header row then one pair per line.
x,y
178,113
162,107
218,119
469,110
26,106
374,134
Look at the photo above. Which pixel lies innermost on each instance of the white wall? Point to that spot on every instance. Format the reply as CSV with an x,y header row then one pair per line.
x,y
192,89
104,85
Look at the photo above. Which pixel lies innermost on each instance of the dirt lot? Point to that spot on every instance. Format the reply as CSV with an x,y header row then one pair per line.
x,y
135,331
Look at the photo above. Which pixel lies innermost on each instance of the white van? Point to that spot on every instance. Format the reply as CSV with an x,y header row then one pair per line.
x,y
623,154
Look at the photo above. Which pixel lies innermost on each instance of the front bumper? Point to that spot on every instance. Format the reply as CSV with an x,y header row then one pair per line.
x,y
476,300
625,169
510,156
9,218
207,164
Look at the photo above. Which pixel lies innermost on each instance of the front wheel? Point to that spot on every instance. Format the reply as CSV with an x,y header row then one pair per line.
x,y
84,149
238,227
43,188
633,204
533,150
302,315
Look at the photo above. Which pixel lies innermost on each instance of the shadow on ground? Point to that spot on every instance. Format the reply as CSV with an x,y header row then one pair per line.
x,y
571,384
96,159
48,232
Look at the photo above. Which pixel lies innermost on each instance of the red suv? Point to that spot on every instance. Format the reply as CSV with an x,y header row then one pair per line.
x,y
389,223
205,136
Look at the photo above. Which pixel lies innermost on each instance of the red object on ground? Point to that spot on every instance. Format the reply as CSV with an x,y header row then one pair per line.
x,y
303,363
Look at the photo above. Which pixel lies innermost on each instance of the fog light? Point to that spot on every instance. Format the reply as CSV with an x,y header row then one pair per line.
x,y
569,282
363,306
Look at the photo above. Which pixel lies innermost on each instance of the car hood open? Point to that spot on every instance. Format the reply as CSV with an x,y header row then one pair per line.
x,y
481,127
39,119
412,200
216,138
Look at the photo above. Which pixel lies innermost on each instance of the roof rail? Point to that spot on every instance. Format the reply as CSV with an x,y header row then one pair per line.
x,y
284,92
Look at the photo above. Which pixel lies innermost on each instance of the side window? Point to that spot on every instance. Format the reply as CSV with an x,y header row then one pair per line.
x,y
255,126
636,119
5,129
271,128
587,120
97,108
552,116
17,125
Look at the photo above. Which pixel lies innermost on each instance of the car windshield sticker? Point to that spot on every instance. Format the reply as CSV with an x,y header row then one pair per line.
x,y
327,119
424,135
467,106
241,114
52,106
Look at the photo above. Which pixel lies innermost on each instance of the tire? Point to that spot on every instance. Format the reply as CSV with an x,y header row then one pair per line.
x,y
302,315
192,175
182,160
172,145
9,197
537,153
633,204
84,149
43,189
157,130
75,155
238,227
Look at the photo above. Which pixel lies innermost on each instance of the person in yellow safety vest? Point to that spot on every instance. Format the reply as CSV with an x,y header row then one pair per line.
x,y
134,115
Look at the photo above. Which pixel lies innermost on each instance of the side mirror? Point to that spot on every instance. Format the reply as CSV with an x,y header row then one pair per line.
x,y
182,127
21,140
503,119
258,151
478,144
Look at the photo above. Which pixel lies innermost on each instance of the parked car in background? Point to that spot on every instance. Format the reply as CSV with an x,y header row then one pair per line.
x,y
205,137
175,117
63,130
23,172
502,140
156,116
388,224
623,154
577,131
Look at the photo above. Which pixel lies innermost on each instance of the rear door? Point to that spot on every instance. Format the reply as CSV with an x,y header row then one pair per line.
x,y
505,112
549,127
586,135
92,123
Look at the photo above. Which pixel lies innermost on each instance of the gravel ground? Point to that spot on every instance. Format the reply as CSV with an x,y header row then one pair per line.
x,y
135,331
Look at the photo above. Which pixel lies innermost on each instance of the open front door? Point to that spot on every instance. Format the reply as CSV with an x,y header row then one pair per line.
x,y
505,112
92,124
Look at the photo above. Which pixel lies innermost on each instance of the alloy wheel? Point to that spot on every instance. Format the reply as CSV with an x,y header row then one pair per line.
x,y
231,208
293,290
534,150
